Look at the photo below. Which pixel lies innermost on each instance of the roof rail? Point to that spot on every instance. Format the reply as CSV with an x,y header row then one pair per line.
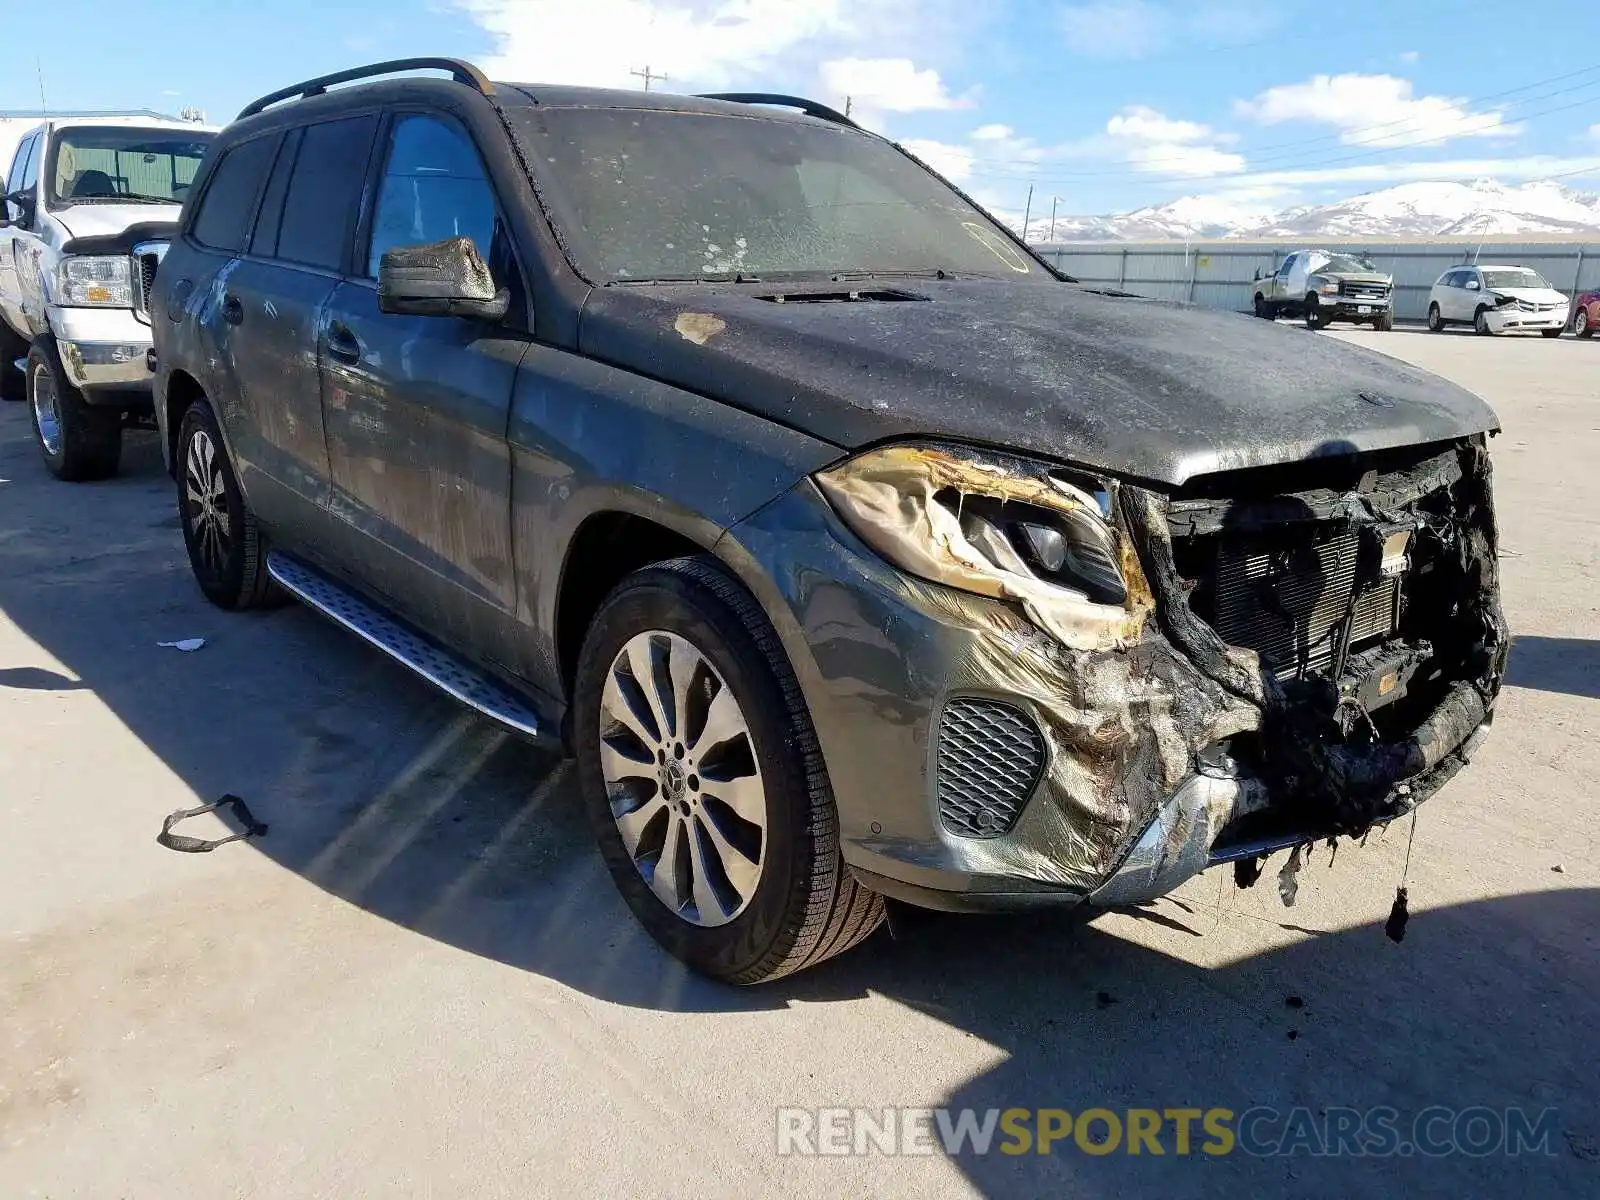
x,y
460,70
810,107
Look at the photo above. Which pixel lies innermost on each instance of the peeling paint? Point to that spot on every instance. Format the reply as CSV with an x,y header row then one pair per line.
x,y
698,328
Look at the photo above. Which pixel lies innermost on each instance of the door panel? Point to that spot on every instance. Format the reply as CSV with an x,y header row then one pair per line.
x,y
416,411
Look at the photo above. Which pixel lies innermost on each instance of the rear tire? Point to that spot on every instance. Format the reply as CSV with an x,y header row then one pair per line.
x,y
227,551
77,441
1262,309
1581,324
787,900
1435,321
1480,323
13,383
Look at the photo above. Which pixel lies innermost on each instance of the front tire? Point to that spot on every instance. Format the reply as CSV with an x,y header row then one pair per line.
x,y
704,783
1384,323
1480,323
77,441
1315,319
227,551
1581,325
1435,321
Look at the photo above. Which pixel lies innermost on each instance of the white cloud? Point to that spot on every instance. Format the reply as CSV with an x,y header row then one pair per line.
x,y
1138,28
1538,166
1151,141
711,44
998,133
1375,110
1410,56
1594,132
951,160
887,84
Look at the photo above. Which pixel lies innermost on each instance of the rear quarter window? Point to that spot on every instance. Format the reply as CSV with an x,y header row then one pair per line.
x,y
223,218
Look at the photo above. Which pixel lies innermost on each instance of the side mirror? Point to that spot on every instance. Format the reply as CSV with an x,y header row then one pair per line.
x,y
1473,285
24,202
440,279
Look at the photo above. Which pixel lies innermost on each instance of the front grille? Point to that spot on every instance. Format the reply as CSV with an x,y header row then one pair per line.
x,y
989,759
1364,291
1286,603
1534,306
146,258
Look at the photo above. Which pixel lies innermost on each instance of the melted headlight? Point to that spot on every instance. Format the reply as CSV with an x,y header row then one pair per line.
x,y
1001,530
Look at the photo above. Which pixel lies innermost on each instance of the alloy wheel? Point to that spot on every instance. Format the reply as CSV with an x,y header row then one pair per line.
x,y
206,502
47,408
682,779
1580,323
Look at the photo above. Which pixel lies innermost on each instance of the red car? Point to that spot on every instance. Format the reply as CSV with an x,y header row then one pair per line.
x,y
1586,314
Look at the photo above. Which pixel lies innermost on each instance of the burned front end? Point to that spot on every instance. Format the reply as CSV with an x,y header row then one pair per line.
x,y
1115,687
1354,602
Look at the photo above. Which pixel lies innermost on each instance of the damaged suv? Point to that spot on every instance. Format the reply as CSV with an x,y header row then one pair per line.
x,y
853,551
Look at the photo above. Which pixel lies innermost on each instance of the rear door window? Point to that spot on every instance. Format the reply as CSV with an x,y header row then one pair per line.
x,y
265,239
319,209
222,221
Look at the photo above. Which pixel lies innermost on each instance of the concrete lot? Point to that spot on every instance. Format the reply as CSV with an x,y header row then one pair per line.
x,y
420,982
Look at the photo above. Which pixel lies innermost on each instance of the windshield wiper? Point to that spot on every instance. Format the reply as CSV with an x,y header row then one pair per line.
x,y
135,198
709,277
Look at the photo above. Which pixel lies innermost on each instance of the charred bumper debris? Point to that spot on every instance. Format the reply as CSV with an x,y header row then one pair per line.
x,y
1256,660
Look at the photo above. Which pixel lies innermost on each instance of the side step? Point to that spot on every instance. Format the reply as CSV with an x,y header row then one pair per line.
x,y
439,667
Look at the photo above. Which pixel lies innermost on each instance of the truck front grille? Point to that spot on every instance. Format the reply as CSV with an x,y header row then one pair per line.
x,y
1287,601
147,257
1364,291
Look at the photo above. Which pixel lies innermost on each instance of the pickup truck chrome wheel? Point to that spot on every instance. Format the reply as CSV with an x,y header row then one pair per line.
x,y
206,501
46,408
682,778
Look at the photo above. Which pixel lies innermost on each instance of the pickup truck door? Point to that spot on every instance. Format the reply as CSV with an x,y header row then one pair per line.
x,y
416,407
10,286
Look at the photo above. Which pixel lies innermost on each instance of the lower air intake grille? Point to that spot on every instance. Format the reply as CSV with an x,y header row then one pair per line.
x,y
1286,604
989,759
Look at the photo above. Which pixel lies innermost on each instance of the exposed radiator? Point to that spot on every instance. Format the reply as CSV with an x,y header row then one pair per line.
x,y
1286,604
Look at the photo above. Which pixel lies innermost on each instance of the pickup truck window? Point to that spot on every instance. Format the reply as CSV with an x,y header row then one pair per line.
x,y
1287,267
230,198
657,195
19,163
433,188
124,164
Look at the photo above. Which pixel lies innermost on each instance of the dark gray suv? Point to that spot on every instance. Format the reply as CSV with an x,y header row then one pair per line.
x,y
853,551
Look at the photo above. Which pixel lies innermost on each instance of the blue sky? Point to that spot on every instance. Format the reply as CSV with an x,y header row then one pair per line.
x,y
1106,104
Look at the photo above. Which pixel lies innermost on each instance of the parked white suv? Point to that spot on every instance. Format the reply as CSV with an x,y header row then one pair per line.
x,y
89,204
1496,299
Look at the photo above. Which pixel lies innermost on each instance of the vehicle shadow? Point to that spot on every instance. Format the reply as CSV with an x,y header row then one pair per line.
x,y
1551,664
386,795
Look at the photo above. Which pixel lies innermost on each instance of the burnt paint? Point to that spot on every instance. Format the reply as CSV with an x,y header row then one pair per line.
x,y
1160,392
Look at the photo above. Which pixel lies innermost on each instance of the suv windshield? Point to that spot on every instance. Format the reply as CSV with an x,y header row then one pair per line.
x,y
658,195
1513,277
127,164
1348,262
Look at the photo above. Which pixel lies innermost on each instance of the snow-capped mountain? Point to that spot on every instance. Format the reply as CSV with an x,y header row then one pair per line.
x,y
1411,210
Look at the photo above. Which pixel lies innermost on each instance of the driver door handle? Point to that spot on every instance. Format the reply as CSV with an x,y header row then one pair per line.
x,y
342,344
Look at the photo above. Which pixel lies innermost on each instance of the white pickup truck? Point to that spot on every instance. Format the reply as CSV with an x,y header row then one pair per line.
x,y
89,204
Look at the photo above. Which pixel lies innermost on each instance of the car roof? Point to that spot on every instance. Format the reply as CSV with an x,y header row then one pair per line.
x,y
564,96
132,121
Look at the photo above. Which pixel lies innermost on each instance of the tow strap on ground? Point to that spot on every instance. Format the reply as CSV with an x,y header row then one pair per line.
x,y
194,845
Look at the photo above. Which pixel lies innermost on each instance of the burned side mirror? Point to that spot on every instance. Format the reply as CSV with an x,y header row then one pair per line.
x,y
440,279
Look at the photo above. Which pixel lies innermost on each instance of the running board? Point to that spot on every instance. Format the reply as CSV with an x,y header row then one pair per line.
x,y
439,667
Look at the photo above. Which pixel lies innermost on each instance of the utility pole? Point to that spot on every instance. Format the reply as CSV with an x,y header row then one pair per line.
x,y
847,102
648,75
1027,212
1053,200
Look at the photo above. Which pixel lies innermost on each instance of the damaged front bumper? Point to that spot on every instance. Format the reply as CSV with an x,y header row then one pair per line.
x,y
1158,756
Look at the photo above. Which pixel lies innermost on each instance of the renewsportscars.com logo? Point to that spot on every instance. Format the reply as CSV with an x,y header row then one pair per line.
x,y
1261,1131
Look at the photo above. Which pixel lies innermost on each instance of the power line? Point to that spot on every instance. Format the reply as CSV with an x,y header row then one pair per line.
x,y
1346,135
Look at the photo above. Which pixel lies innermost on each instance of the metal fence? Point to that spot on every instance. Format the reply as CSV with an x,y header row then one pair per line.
x,y
1221,274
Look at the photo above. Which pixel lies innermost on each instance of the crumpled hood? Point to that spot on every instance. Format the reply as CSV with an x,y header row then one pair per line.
x,y
1150,389
104,220
1533,295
